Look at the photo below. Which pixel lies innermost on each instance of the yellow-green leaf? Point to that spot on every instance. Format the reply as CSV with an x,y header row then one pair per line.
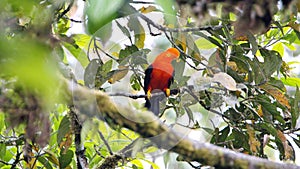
x,y
202,43
279,48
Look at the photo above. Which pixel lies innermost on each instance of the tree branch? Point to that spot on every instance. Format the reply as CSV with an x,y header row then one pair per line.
x,y
98,104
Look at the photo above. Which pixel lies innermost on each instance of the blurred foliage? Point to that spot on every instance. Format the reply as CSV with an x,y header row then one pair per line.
x,y
233,65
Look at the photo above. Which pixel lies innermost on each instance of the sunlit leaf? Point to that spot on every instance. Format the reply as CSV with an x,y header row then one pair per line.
x,y
279,48
202,43
147,9
2,150
137,163
225,80
153,165
291,81
78,53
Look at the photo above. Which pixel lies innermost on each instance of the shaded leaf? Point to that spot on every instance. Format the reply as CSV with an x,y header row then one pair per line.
x,y
253,142
288,150
63,129
252,40
90,73
118,74
109,11
105,32
45,162
277,94
169,12
138,31
65,159
127,52
51,157
295,107
124,30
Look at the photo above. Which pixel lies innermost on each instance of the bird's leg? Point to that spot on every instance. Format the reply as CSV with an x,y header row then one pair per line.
x,y
167,92
148,94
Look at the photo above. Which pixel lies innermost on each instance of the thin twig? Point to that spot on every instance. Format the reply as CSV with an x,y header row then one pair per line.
x,y
65,11
107,54
105,143
141,2
166,29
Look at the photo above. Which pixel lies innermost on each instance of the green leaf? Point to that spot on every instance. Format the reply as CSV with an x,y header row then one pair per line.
x,y
269,128
272,61
153,165
2,150
32,64
63,129
138,164
129,50
291,81
45,162
104,33
90,73
78,53
254,45
169,12
138,30
97,73
295,107
65,158
124,30
82,40
279,48
223,134
101,12
203,43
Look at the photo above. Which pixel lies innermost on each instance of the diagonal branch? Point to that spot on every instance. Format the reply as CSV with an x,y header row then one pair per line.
x,y
98,104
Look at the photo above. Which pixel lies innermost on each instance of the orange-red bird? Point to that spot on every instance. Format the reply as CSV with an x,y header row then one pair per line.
x,y
158,77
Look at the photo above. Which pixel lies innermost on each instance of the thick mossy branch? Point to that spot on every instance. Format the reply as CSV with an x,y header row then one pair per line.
x,y
98,104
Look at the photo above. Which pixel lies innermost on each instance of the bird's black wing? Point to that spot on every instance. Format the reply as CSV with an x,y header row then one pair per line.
x,y
147,78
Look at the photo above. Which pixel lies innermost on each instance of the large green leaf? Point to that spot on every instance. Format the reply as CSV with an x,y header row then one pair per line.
x,y
138,30
291,81
63,129
295,108
101,12
169,12
65,158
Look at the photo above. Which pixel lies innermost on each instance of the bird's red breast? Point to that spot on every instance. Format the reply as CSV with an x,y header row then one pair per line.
x,y
159,75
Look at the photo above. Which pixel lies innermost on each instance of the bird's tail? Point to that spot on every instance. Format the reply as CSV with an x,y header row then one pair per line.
x,y
153,103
